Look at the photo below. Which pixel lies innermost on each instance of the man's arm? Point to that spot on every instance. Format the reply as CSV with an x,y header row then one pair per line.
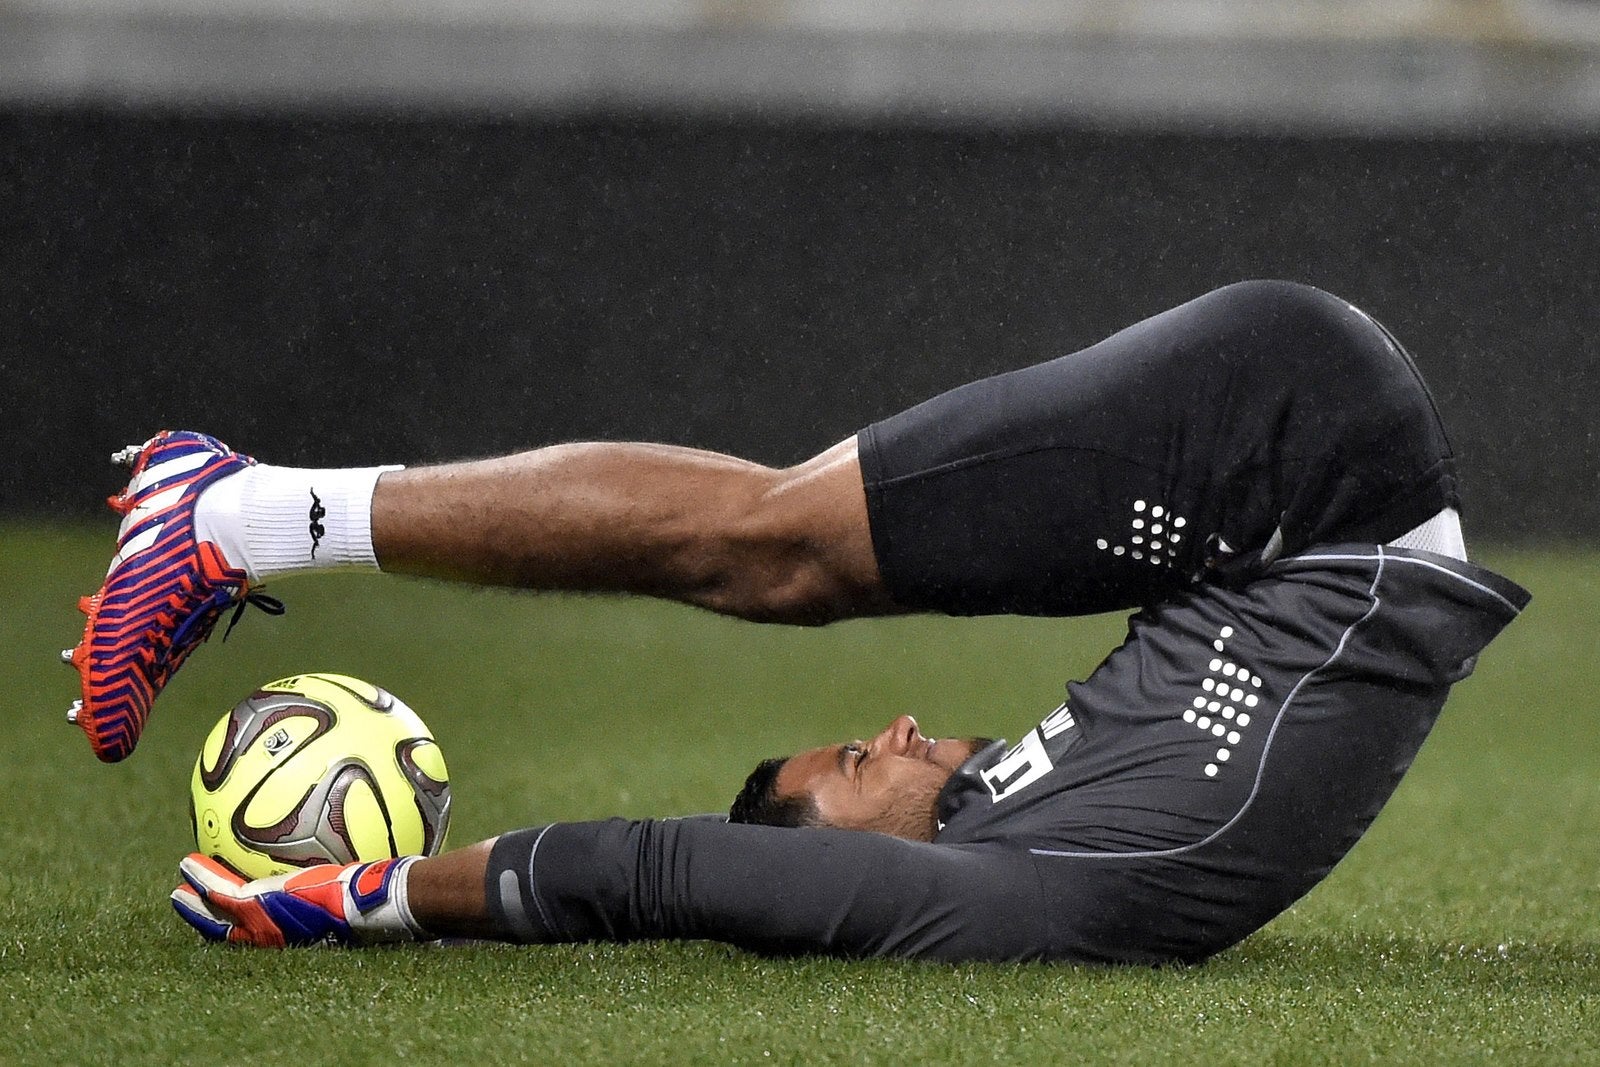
x,y
769,889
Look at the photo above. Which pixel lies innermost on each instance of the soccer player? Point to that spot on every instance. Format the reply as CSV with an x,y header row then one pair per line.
x,y
1260,473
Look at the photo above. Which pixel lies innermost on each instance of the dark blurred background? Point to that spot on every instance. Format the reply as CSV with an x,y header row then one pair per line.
x,y
400,233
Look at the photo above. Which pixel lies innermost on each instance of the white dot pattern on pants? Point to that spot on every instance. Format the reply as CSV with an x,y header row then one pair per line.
x,y
1144,540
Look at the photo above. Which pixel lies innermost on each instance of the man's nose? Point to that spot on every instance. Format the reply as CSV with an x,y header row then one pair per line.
x,y
897,737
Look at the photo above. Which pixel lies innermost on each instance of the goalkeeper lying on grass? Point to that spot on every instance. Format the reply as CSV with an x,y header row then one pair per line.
x,y
1261,473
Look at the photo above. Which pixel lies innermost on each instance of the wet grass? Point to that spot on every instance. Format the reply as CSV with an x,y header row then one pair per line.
x,y
1465,927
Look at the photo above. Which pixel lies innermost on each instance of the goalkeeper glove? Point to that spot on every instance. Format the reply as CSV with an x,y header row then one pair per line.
x,y
353,904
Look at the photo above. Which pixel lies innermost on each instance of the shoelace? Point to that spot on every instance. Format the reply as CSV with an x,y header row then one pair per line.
x,y
269,604
205,616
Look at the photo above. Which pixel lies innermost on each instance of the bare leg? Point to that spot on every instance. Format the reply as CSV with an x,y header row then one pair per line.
x,y
722,533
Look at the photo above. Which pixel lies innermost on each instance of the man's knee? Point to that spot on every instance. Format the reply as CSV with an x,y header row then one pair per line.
x,y
799,549
1264,298
1310,328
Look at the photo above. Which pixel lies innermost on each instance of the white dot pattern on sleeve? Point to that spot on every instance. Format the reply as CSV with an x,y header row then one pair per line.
x,y
1212,718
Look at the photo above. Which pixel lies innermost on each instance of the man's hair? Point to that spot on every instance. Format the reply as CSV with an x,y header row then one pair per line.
x,y
758,802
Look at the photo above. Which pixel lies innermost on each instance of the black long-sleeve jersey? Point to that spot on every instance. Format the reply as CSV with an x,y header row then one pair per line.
x,y
1227,468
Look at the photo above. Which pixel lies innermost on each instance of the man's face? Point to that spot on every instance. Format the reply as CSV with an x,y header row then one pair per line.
x,y
889,784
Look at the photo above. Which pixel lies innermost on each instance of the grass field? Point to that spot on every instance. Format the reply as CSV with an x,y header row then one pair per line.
x,y
1464,928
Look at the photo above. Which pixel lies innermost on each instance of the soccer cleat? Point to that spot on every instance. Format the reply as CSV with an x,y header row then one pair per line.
x,y
163,592
352,904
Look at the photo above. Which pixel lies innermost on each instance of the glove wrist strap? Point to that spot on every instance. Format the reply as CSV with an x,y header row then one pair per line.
x,y
379,904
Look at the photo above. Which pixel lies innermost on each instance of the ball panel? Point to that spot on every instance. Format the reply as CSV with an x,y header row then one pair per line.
x,y
261,728
282,765
423,763
329,688
292,840
357,821
220,737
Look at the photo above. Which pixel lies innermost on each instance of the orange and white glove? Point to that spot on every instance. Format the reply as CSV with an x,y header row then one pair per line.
x,y
353,904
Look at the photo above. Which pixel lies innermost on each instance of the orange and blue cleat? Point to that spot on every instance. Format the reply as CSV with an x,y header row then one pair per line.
x,y
163,593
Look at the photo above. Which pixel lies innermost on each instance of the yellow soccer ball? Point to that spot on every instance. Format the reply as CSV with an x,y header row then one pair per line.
x,y
318,768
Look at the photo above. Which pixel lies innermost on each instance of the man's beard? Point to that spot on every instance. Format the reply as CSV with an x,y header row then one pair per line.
x,y
915,813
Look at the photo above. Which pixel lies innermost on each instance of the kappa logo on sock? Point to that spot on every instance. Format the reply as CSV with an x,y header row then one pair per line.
x,y
318,531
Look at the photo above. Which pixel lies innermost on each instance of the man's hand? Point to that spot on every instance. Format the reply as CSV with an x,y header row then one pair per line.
x,y
354,904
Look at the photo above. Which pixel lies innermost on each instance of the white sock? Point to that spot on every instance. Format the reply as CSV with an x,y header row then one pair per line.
x,y
272,521
1440,534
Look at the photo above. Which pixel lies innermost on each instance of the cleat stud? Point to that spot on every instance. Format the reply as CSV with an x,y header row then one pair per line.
x,y
126,457
66,655
72,712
